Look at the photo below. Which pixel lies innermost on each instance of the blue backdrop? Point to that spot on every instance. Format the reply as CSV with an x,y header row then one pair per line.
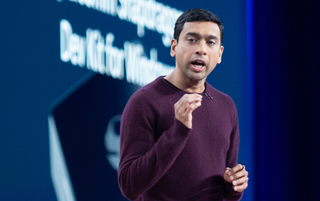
x,y
287,99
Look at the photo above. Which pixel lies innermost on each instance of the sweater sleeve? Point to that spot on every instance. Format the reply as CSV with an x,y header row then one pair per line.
x,y
143,160
232,157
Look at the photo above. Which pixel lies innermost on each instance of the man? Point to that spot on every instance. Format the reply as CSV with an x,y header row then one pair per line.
x,y
179,135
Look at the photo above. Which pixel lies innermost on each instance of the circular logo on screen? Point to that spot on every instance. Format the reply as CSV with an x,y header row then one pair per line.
x,y
112,142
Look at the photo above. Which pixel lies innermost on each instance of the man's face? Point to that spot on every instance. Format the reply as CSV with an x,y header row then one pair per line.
x,y
198,51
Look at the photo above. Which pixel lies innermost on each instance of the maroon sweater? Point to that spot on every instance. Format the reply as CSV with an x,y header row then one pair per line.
x,y
162,159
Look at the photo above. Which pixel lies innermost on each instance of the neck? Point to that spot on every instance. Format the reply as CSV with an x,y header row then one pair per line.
x,y
186,84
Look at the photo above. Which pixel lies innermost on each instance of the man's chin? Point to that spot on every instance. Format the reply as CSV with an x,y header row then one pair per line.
x,y
197,78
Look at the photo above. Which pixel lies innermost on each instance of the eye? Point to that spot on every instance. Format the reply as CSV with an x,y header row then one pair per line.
x,y
192,40
210,42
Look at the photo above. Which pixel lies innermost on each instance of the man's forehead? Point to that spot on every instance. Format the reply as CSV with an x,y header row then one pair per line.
x,y
206,27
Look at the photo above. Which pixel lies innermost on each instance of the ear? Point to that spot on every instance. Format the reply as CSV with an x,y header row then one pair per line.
x,y
220,54
174,44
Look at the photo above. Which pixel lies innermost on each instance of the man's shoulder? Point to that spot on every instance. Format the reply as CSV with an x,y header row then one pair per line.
x,y
152,93
150,89
149,96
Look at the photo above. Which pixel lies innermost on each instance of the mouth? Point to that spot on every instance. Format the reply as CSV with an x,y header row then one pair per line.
x,y
198,64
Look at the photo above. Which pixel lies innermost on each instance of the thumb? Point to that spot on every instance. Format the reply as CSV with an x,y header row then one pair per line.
x,y
227,170
226,175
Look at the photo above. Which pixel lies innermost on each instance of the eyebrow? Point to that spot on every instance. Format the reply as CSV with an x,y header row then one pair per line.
x,y
197,35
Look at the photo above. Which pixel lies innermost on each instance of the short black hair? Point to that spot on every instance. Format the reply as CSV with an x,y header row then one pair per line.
x,y
196,15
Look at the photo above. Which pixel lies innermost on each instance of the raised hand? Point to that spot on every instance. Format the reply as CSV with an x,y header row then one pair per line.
x,y
185,106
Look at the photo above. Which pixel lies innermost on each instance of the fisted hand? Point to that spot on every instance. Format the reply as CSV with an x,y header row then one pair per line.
x,y
238,176
185,106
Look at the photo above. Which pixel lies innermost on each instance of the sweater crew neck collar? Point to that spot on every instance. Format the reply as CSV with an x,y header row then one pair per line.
x,y
172,85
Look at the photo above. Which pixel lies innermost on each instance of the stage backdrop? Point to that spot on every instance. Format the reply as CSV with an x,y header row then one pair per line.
x,y
67,70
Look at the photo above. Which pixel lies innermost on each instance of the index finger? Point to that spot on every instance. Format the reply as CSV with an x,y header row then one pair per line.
x,y
189,98
193,96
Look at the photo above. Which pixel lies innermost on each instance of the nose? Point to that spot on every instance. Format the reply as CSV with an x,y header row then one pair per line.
x,y
201,49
